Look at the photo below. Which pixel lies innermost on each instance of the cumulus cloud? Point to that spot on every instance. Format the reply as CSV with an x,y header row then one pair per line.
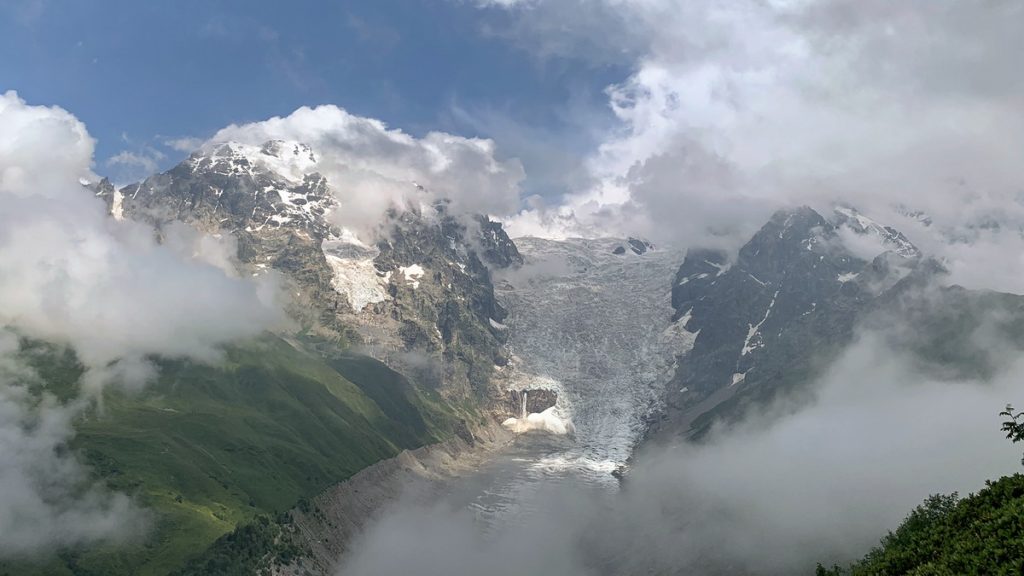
x,y
69,273
372,167
808,481
755,105
72,275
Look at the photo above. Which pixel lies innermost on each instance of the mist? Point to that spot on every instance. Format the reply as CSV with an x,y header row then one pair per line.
x,y
75,277
799,482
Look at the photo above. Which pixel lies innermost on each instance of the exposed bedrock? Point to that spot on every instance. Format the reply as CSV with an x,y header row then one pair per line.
x,y
522,402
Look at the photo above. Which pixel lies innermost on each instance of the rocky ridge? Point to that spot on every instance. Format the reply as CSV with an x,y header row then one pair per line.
x,y
772,318
419,297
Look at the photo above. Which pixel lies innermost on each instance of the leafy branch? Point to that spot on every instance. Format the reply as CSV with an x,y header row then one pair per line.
x,y
1014,427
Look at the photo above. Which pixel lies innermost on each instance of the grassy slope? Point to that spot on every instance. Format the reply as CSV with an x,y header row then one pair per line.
x,y
208,449
946,536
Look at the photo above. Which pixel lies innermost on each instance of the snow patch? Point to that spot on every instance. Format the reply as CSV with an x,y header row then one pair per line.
x,y
117,206
756,279
848,276
412,274
722,268
750,345
290,160
354,275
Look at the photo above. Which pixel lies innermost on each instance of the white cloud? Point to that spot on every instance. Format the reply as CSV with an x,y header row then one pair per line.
x,y
129,166
755,105
185,144
820,480
371,167
72,275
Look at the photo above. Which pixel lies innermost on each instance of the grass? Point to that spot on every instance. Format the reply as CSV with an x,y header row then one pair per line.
x,y
208,449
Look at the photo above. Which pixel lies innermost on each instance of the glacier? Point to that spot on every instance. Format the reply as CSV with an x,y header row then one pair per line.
x,y
597,326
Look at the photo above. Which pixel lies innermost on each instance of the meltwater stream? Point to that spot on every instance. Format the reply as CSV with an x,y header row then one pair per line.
x,y
596,327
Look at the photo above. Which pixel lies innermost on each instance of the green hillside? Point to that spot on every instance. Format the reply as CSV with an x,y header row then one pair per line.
x,y
947,536
211,448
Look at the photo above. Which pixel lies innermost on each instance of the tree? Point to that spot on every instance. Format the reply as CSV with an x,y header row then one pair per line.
x,y
1014,427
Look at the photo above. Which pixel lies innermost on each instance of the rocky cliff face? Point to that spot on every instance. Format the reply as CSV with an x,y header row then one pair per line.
x,y
776,316
523,402
419,296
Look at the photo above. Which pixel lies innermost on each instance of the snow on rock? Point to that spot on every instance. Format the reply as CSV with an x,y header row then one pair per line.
x,y
412,274
888,238
117,206
847,277
354,274
722,268
750,344
290,160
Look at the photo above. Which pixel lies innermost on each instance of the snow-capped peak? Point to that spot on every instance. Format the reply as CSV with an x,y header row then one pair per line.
x,y
289,160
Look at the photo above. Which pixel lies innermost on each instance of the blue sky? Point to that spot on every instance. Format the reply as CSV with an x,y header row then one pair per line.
x,y
142,73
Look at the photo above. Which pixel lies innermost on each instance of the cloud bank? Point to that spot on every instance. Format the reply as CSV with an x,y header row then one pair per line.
x,y
737,108
371,167
72,275
801,483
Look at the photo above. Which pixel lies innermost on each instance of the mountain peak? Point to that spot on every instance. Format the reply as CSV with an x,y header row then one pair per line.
x,y
289,160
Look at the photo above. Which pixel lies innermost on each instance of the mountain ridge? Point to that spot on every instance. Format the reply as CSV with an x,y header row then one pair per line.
x,y
774,317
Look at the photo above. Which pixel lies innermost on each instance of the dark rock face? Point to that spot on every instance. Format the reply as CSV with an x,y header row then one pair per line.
x,y
639,247
462,431
536,401
453,312
636,246
497,248
776,315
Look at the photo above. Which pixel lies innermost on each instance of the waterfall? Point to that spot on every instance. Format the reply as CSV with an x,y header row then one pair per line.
x,y
523,410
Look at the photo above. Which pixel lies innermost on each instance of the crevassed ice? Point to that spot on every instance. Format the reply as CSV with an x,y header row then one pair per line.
x,y
600,326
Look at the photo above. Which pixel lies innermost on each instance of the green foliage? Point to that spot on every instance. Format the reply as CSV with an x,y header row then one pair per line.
x,y
255,548
208,450
946,536
1014,427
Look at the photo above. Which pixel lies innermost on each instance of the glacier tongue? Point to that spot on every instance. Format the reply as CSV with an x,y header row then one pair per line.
x,y
599,324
